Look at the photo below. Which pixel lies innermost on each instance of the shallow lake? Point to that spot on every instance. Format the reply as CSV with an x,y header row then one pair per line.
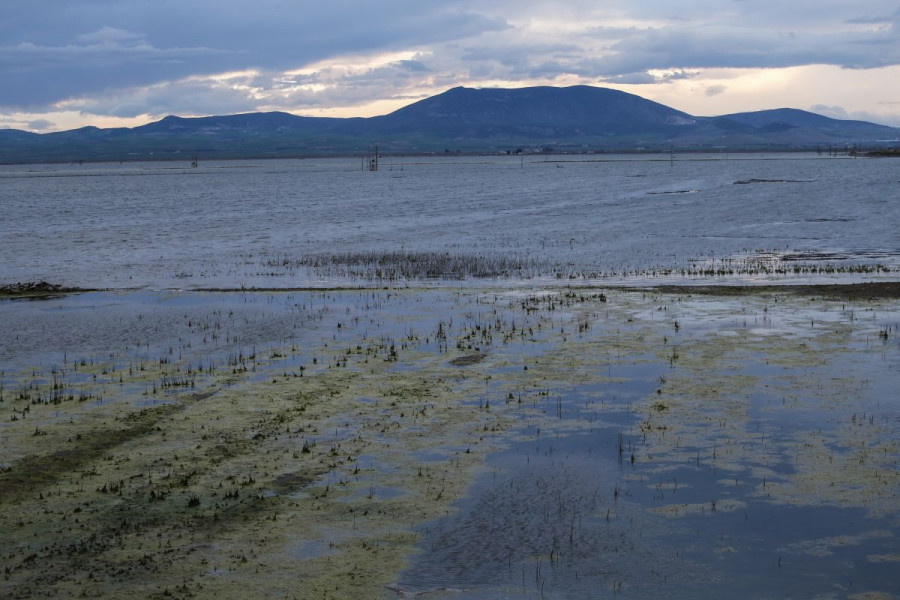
x,y
633,444
325,222
465,425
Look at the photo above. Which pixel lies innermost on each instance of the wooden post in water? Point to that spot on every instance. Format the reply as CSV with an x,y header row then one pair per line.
x,y
373,160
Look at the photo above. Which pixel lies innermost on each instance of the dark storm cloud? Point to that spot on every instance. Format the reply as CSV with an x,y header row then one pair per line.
x,y
732,47
152,57
323,88
182,98
52,50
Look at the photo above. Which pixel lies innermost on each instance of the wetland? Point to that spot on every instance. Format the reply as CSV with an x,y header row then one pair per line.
x,y
391,396
479,443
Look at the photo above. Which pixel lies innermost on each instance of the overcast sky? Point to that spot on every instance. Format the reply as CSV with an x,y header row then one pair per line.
x,y
69,63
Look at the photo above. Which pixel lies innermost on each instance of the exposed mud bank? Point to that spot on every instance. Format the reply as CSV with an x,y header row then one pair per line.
x,y
632,442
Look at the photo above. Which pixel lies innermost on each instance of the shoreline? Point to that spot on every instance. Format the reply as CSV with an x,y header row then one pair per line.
x,y
861,290
597,155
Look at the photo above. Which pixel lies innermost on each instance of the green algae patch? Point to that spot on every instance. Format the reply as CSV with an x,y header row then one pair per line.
x,y
206,493
883,558
828,545
37,472
309,469
725,391
872,596
708,508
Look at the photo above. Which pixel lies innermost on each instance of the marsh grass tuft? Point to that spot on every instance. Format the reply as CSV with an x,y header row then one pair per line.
x,y
404,265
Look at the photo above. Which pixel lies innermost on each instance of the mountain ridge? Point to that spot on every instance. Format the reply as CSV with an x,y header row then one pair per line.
x,y
461,119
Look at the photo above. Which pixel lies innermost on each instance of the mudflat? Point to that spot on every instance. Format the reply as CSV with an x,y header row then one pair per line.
x,y
458,443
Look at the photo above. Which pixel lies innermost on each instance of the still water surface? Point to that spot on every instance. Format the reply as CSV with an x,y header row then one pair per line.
x,y
558,512
323,222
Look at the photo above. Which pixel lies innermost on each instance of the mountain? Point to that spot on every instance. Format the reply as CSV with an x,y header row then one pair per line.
x,y
791,118
234,125
541,111
571,119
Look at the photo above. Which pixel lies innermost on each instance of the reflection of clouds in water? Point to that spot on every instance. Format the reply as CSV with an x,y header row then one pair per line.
x,y
731,441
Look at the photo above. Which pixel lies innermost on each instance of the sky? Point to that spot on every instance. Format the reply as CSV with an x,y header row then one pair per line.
x,y
121,63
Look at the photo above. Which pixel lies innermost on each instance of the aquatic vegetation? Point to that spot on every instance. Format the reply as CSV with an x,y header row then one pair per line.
x,y
326,224
364,443
401,266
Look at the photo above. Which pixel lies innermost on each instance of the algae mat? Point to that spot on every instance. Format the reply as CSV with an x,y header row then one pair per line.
x,y
562,443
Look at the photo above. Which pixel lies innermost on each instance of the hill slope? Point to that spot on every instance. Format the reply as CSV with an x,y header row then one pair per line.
x,y
576,110
577,118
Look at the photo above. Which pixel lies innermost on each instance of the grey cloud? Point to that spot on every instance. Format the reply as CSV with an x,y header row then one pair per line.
x,y
891,120
200,96
519,60
873,20
35,76
676,75
181,98
839,112
108,34
40,125
414,65
625,55
645,78
809,15
151,57
835,112
58,50
680,48
642,78
715,90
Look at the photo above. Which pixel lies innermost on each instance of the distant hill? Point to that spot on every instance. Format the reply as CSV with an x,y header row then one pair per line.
x,y
536,111
571,119
791,118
